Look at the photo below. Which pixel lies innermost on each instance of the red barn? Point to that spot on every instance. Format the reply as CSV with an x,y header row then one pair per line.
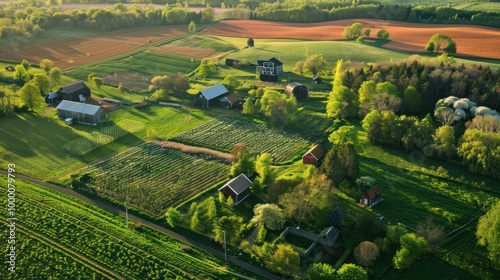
x,y
372,196
314,155
238,188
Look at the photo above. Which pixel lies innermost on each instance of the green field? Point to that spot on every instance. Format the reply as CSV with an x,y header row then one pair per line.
x,y
73,239
151,178
39,143
224,134
149,63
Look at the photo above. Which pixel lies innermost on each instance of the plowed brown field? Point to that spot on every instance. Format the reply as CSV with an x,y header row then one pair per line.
x,y
74,50
471,40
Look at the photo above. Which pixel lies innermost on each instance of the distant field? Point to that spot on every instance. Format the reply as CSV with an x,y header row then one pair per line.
x,y
471,40
76,50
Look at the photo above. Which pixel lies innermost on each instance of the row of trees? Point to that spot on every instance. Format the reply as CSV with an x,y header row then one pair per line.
x,y
34,20
432,79
302,11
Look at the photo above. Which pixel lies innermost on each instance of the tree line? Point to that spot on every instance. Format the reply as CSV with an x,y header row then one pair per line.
x,y
34,20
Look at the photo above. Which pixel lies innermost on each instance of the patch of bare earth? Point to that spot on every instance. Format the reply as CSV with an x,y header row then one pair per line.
x,y
77,50
197,150
471,40
191,52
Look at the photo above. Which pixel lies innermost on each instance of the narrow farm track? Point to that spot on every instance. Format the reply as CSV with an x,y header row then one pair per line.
x,y
180,237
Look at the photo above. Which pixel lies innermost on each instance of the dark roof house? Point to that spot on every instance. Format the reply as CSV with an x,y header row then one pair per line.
x,y
238,188
80,112
269,69
316,80
372,196
210,96
314,155
299,90
76,91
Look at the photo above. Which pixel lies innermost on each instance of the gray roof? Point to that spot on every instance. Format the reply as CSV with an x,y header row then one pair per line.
x,y
214,91
239,184
78,107
53,95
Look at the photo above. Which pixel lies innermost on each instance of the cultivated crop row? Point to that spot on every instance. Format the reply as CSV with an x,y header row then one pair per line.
x,y
224,134
107,134
112,249
152,178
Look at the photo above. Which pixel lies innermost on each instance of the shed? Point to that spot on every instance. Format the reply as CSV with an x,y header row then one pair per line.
x,y
238,188
316,80
52,98
76,91
299,90
314,155
81,112
210,96
372,196
231,101
232,62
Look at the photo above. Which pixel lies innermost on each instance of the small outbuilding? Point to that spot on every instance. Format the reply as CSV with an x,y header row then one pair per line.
x,y
81,112
77,92
238,188
232,101
232,62
314,155
299,90
52,99
210,96
372,196
316,80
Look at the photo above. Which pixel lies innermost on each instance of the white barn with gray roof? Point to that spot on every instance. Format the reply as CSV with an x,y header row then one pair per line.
x,y
80,112
211,95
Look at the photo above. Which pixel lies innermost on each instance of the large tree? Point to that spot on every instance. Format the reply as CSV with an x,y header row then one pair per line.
x,y
174,217
285,260
366,253
21,74
444,142
174,84
412,100
488,233
245,165
340,163
412,248
315,64
345,134
46,65
232,225
42,83
30,95
349,271
264,169
320,271
269,215
440,41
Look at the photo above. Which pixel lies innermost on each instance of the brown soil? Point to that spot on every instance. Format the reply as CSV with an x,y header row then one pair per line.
x,y
76,50
471,40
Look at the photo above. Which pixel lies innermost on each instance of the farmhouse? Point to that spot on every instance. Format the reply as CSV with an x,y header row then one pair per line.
x,y
269,69
372,196
300,91
210,96
80,112
238,188
76,91
232,101
314,155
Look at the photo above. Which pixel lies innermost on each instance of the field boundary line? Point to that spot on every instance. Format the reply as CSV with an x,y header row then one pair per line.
x,y
464,225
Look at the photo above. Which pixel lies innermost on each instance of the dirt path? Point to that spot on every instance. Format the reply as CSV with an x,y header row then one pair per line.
x,y
120,212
